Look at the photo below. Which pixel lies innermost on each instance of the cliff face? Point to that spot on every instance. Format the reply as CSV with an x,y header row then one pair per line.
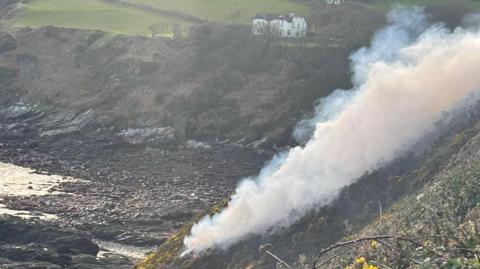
x,y
219,82
260,90
6,6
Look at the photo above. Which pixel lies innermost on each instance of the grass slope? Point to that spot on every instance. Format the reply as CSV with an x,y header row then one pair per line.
x,y
238,11
443,220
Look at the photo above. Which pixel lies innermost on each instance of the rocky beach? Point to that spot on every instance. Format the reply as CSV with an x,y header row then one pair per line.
x,y
124,199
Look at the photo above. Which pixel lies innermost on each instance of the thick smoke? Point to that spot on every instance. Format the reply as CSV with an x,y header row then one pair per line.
x,y
325,109
412,72
405,26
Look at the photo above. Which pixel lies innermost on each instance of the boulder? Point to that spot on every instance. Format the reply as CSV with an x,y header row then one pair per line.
x,y
77,245
7,75
33,252
35,265
7,42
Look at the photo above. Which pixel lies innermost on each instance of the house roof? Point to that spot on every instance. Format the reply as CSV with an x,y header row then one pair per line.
x,y
273,16
267,16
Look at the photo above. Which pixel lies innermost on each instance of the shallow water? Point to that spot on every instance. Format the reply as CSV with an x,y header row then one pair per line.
x,y
19,181
25,214
132,252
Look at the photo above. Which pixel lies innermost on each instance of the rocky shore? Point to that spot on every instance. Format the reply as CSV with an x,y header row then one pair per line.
x,y
36,244
134,194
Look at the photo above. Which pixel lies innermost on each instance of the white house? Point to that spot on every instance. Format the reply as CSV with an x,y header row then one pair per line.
x,y
291,26
335,2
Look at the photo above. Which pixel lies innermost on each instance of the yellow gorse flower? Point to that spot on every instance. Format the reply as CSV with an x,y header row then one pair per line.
x,y
374,244
360,260
366,266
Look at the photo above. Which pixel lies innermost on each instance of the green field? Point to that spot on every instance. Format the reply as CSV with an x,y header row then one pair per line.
x,y
92,14
238,11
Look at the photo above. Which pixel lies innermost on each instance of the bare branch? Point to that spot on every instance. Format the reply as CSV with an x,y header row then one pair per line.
x,y
331,258
278,259
346,243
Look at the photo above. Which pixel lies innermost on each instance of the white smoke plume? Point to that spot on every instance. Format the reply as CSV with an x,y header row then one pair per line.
x,y
325,109
412,73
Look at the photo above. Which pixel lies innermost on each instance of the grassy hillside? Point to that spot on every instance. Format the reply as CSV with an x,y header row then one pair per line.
x,y
443,222
90,14
239,11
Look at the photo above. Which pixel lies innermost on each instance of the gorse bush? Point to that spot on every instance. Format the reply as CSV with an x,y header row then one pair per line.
x,y
438,228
